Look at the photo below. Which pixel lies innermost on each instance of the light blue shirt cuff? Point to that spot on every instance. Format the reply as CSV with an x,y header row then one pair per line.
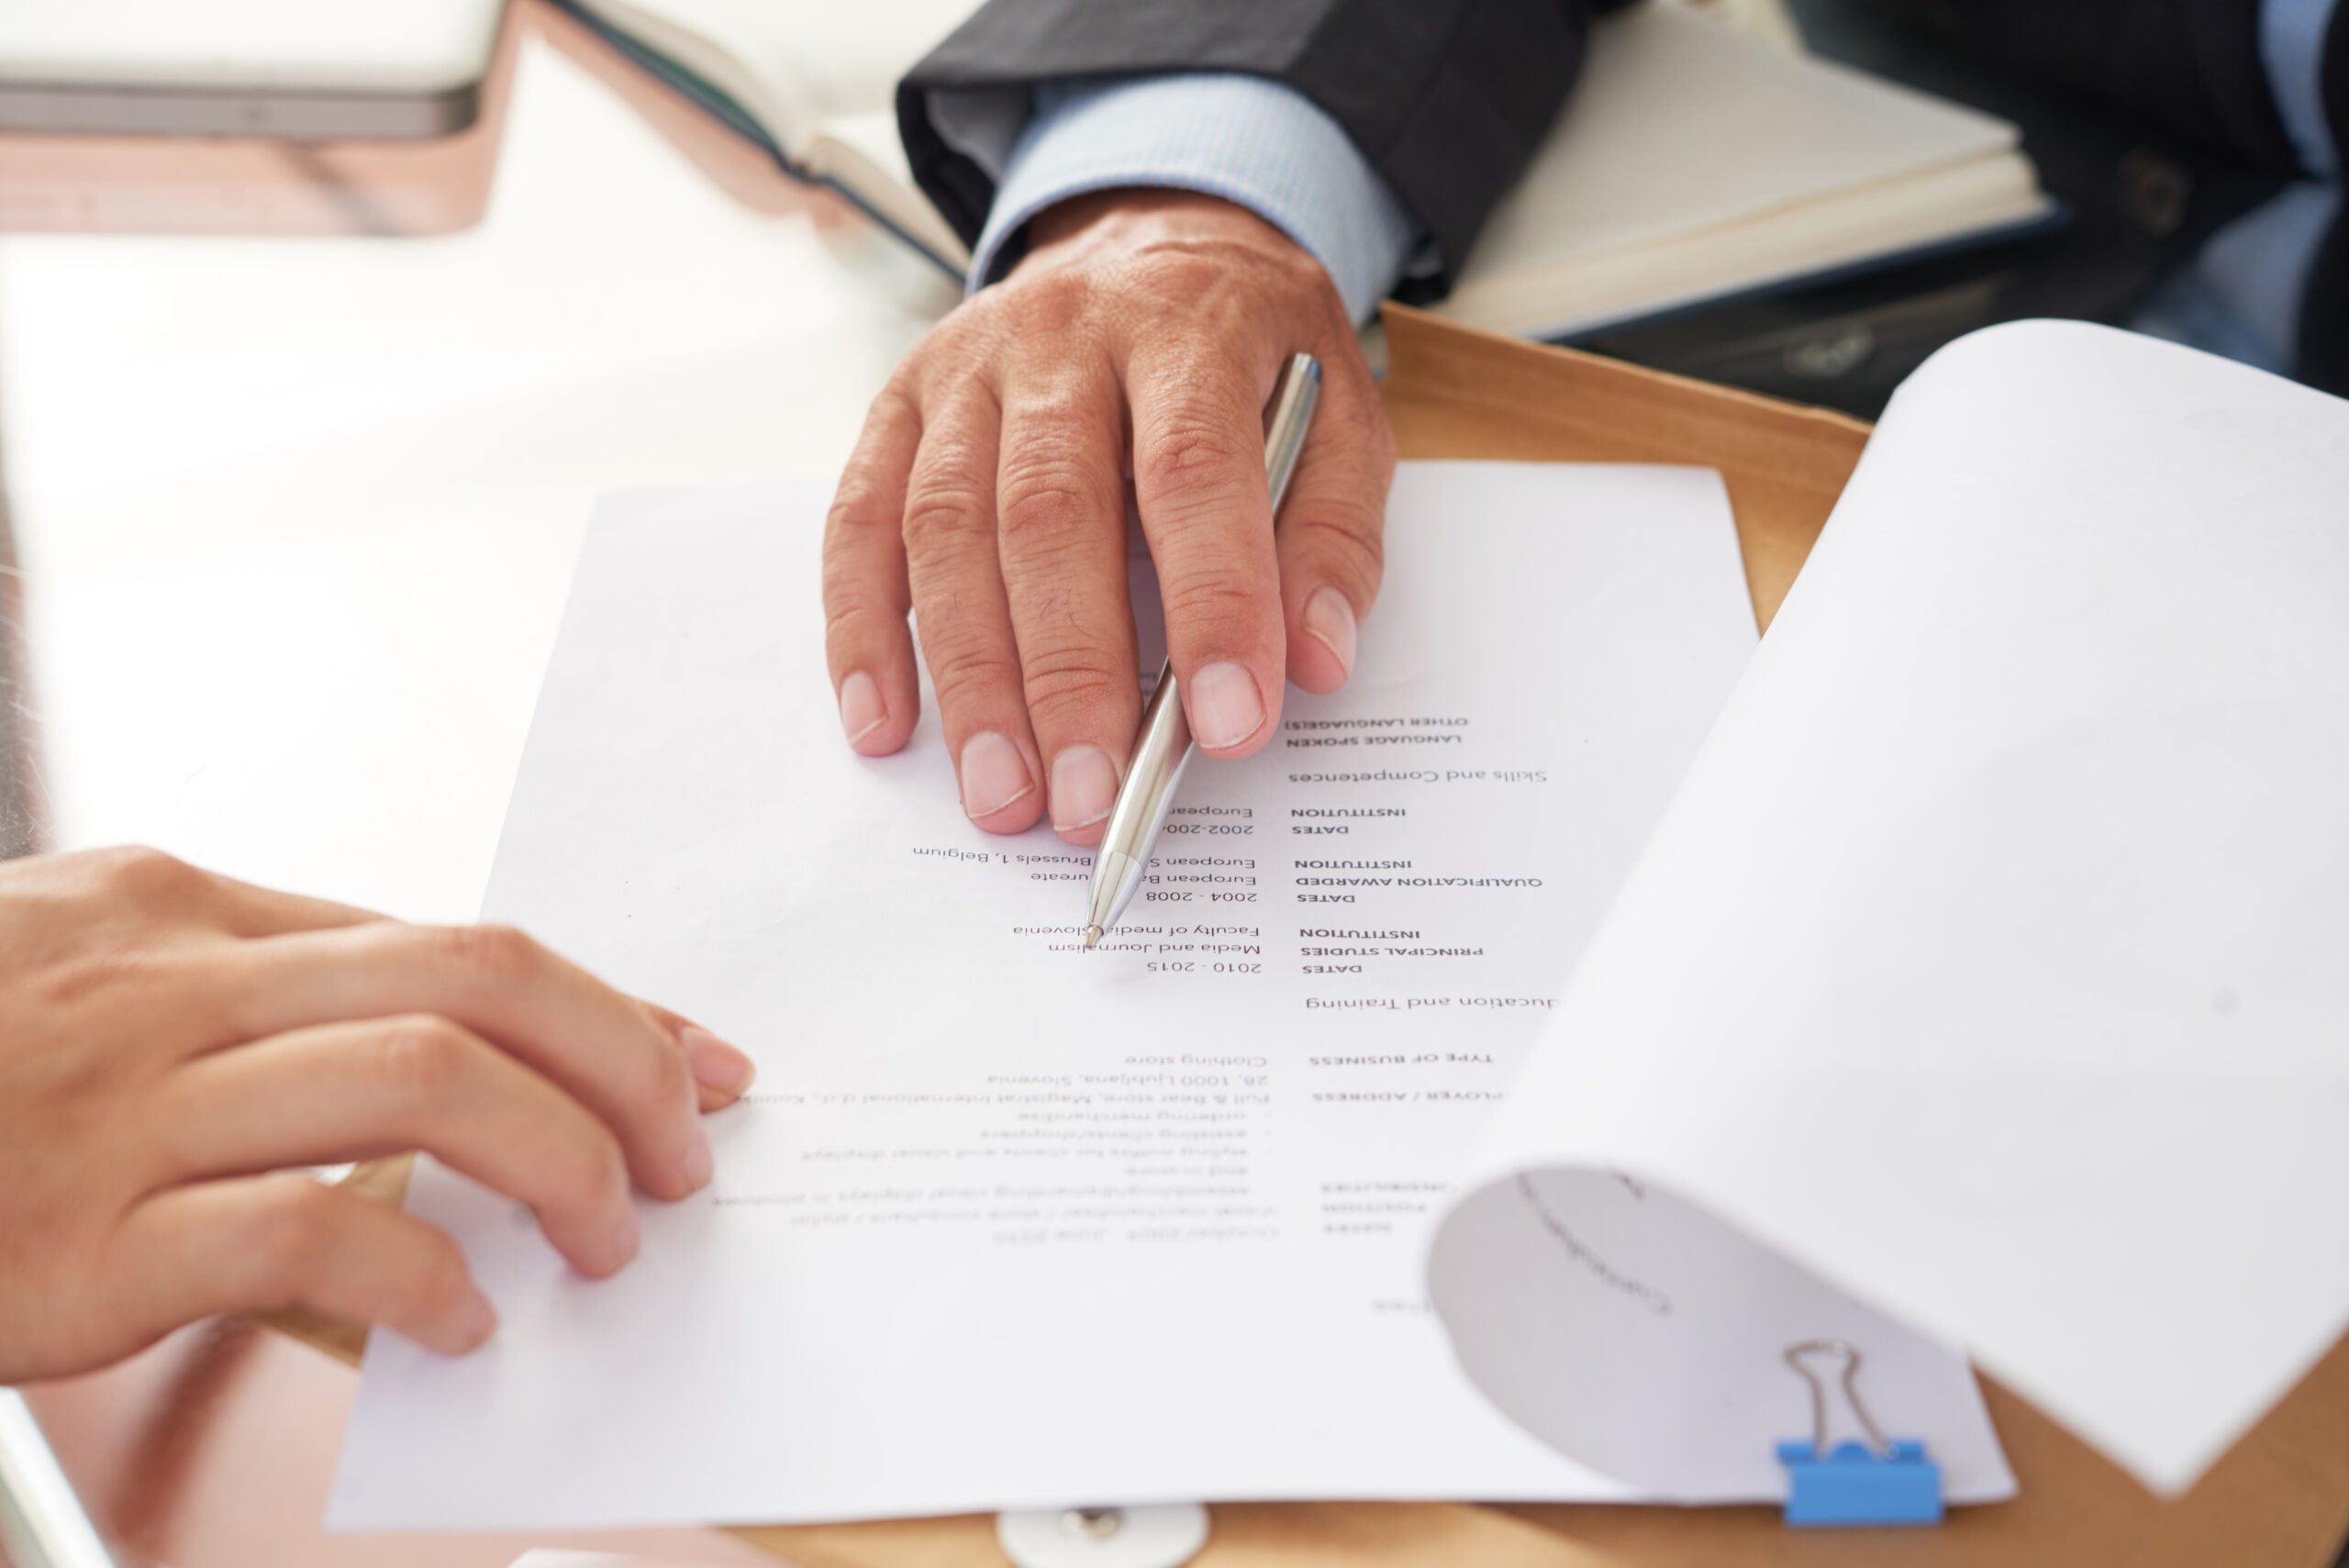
x,y
1263,145
2292,49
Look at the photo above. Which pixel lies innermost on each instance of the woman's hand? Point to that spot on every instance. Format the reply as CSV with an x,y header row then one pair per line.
x,y
173,1044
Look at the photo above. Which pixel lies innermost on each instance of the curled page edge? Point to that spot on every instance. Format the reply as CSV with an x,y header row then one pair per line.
x,y
2028,1210
1640,1334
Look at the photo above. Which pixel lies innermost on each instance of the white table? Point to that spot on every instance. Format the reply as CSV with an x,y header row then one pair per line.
x,y
296,517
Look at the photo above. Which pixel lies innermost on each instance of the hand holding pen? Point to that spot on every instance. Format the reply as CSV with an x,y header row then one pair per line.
x,y
1140,334
1162,746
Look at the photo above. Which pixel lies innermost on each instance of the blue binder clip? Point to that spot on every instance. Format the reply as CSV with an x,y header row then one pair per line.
x,y
1879,1482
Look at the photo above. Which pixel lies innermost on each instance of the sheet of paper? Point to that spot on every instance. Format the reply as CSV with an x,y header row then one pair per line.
x,y
1994,961
1008,1224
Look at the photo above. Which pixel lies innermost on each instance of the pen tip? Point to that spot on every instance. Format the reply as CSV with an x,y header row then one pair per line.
x,y
1091,935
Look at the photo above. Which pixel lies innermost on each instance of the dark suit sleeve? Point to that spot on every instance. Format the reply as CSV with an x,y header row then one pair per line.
x,y
1447,98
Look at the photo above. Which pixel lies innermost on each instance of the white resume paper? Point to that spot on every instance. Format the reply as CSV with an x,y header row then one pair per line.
x,y
1005,1223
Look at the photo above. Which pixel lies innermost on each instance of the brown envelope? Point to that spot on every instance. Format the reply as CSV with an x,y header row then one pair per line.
x,y
2280,1497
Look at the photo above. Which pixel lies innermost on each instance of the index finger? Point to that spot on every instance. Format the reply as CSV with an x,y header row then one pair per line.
x,y
865,594
608,1050
1200,483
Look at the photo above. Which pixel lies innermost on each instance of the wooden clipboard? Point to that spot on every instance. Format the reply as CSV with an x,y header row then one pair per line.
x,y
2279,1499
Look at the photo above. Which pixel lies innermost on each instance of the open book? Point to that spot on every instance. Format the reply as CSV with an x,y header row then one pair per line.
x,y
814,84
1693,163
1509,1065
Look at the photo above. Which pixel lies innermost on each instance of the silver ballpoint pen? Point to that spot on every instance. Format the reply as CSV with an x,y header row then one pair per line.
x,y
1163,745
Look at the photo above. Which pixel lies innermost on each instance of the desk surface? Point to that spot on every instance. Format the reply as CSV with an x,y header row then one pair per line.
x,y
296,517
296,520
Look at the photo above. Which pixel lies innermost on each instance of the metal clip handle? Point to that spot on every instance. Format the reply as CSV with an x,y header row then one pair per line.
x,y
1850,1354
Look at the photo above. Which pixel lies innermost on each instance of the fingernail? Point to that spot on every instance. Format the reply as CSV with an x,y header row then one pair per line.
x,y
716,1064
480,1320
861,712
699,1162
626,1239
1085,787
994,775
1330,620
1225,706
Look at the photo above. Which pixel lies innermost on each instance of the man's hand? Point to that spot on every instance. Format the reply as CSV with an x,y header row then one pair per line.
x,y
1141,334
172,1043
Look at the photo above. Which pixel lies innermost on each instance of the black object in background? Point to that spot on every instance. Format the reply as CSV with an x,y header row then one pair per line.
x,y
2143,200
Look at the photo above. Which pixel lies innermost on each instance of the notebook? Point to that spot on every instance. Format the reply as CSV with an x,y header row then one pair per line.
x,y
1694,161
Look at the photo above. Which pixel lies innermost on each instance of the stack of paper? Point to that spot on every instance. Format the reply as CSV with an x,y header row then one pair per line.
x,y
1005,1223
